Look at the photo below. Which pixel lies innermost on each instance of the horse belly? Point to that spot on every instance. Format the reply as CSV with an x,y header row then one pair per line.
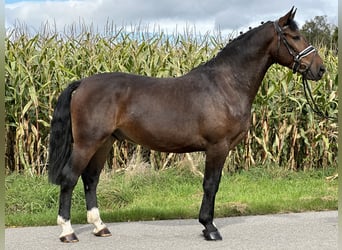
x,y
162,131
163,140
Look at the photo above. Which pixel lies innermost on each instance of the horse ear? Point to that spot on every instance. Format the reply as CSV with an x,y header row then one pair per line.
x,y
285,20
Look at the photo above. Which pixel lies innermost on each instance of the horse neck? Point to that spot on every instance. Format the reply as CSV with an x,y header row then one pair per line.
x,y
247,59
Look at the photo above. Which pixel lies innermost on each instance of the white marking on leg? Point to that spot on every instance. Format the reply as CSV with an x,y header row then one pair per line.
x,y
93,217
66,226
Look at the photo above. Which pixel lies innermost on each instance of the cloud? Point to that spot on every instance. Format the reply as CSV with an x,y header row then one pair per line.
x,y
229,15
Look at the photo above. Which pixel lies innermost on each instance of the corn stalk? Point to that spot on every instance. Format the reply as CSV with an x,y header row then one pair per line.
x,y
284,130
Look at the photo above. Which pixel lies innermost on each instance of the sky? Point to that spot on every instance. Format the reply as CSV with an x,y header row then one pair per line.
x,y
167,15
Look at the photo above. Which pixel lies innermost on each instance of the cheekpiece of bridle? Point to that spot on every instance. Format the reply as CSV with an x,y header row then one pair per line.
x,y
297,57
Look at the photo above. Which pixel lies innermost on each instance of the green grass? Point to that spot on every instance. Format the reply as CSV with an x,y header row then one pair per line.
x,y
173,193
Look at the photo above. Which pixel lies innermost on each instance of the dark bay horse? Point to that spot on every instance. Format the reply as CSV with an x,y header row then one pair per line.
x,y
208,109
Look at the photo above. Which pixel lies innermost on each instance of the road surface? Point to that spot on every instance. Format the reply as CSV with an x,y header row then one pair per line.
x,y
313,230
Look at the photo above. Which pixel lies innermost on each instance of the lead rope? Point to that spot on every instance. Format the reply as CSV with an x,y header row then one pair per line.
x,y
312,103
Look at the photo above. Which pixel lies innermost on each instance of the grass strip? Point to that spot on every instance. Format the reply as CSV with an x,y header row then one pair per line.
x,y
173,193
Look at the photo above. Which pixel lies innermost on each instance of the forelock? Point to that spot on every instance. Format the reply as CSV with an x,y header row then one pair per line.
x,y
293,25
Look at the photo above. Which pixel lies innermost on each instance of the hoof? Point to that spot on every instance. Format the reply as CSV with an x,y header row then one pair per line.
x,y
103,233
70,238
212,235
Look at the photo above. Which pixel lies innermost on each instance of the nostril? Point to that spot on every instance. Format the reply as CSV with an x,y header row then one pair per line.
x,y
321,70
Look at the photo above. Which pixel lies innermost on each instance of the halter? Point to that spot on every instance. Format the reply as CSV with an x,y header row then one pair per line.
x,y
297,57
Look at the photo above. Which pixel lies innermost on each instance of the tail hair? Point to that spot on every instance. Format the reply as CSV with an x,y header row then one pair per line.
x,y
60,145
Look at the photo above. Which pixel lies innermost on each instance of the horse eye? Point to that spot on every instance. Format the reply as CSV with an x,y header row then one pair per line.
x,y
296,38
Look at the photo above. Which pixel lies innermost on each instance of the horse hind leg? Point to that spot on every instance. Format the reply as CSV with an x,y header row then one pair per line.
x,y
78,161
68,183
90,179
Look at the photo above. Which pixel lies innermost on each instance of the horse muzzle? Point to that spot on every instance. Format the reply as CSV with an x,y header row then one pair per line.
x,y
312,73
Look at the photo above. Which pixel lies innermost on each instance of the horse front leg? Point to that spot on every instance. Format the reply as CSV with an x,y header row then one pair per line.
x,y
215,158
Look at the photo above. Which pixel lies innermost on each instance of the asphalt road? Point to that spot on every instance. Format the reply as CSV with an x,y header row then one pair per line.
x,y
314,230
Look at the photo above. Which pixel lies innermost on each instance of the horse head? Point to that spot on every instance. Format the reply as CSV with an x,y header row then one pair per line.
x,y
293,50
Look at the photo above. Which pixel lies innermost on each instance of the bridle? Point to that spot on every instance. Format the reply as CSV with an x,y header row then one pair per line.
x,y
297,57
296,67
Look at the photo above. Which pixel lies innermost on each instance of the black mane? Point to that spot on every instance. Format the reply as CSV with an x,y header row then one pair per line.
x,y
233,43
242,35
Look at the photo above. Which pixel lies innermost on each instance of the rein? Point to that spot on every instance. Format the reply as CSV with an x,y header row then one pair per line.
x,y
297,57
310,100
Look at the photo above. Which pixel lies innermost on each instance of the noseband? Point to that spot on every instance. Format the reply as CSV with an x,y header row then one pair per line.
x,y
297,57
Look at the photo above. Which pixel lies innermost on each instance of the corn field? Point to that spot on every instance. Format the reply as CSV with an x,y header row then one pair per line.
x,y
284,131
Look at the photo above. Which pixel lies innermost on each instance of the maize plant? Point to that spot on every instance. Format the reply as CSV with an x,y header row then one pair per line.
x,y
284,131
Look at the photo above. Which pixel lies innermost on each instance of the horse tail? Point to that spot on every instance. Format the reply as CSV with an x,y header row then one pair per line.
x,y
61,139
